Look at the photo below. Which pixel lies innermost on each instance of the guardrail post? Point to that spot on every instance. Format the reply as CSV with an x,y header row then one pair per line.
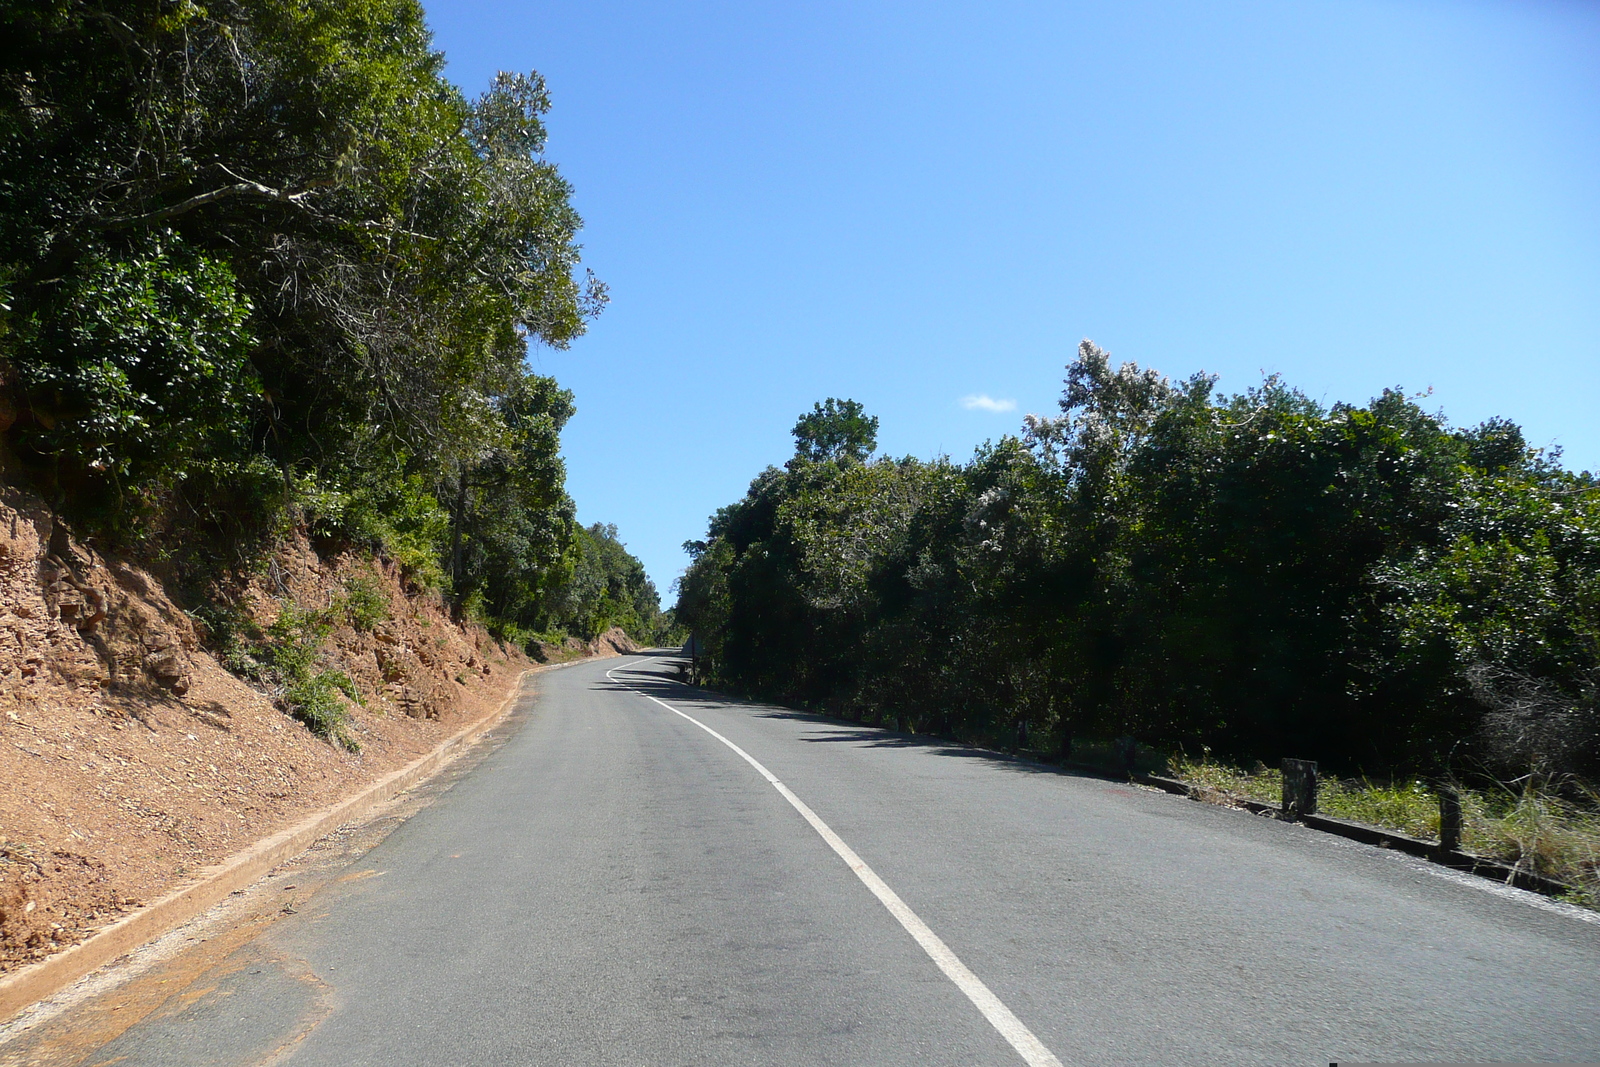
x,y
1127,750
1449,819
1299,788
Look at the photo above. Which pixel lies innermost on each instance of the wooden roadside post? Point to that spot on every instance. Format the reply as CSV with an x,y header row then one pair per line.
x,y
1299,788
1449,818
692,647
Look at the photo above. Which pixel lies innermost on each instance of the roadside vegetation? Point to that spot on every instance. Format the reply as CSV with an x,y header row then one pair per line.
x,y
1530,824
1253,575
264,269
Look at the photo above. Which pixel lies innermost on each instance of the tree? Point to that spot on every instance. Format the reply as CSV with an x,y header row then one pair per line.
x,y
1255,573
260,261
836,430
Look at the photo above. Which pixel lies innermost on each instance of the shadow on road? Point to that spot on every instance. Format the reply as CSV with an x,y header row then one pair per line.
x,y
657,679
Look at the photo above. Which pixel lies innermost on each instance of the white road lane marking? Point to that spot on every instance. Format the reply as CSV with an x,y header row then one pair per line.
x,y
1000,1017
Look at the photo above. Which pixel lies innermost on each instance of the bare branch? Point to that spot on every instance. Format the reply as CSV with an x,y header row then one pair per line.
x,y
244,187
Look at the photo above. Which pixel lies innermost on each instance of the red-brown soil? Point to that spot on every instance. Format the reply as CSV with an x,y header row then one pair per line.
x,y
130,758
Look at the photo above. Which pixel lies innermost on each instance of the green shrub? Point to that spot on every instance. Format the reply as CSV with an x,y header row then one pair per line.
x,y
397,515
1258,573
314,700
139,360
311,694
364,603
296,636
233,636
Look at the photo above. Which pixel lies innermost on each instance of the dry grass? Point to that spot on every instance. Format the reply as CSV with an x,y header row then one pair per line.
x,y
1537,831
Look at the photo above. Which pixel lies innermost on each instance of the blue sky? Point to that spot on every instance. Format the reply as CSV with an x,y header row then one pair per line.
x,y
913,204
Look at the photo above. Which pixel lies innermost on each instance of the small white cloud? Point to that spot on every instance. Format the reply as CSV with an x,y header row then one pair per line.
x,y
985,402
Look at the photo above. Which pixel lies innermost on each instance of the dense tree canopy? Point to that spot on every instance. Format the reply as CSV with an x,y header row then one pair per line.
x,y
259,259
1256,573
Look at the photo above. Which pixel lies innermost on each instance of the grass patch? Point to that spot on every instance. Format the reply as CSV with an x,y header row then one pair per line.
x,y
287,654
1225,780
314,700
311,694
1409,807
1536,830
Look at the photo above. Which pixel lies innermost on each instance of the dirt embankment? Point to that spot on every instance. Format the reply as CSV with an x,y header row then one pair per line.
x,y
130,758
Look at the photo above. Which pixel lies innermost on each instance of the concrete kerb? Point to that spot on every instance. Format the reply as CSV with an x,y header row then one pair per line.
x,y
47,977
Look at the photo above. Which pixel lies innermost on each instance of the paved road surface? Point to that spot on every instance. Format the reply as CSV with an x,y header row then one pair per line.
x,y
616,885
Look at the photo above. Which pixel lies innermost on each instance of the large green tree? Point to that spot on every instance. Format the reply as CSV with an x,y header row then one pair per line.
x,y
373,250
260,258
836,429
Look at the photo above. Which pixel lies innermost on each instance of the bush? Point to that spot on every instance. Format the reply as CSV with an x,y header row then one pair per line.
x,y
314,699
364,603
138,363
233,637
309,693
1258,574
264,265
400,517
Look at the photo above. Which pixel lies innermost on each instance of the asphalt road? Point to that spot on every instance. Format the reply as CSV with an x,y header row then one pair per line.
x,y
615,885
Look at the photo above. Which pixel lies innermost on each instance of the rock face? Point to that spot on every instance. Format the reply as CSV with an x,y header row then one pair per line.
x,y
70,617
614,642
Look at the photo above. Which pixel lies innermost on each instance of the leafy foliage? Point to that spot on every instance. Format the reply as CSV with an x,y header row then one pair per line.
x,y
836,429
310,692
138,364
1254,573
606,586
363,604
262,266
